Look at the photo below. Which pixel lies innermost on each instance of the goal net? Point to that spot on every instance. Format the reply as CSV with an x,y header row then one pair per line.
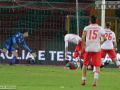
x,y
45,20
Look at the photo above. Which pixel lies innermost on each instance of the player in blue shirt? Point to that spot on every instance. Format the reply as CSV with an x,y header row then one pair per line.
x,y
12,44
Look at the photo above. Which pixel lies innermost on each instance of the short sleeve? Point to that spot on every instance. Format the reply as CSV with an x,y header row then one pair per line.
x,y
66,38
85,29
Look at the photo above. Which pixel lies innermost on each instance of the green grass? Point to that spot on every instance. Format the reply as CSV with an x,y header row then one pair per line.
x,y
56,78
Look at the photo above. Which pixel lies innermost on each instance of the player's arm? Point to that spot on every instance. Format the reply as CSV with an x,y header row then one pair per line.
x,y
13,39
102,31
66,67
25,46
33,53
114,42
66,45
14,42
104,39
83,39
66,49
115,45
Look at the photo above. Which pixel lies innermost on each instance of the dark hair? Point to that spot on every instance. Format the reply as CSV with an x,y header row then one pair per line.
x,y
66,61
64,33
93,19
108,24
24,31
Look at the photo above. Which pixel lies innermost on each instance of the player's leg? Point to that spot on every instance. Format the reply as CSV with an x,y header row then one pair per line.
x,y
14,58
103,53
84,71
94,69
12,50
3,50
116,61
87,57
77,53
96,61
82,57
5,47
78,61
76,56
112,55
96,75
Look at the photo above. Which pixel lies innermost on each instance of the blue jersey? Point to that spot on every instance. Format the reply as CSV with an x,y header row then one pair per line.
x,y
19,39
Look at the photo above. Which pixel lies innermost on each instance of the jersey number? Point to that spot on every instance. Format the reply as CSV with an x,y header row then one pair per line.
x,y
109,36
93,34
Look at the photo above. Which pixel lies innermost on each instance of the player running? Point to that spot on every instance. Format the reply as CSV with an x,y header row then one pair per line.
x,y
93,33
75,39
12,44
107,46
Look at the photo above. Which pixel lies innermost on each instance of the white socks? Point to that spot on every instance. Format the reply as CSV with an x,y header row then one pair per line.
x,y
102,59
78,61
83,78
96,75
118,64
94,69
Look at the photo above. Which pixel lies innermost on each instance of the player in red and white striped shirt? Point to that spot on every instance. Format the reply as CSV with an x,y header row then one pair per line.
x,y
107,46
93,32
75,39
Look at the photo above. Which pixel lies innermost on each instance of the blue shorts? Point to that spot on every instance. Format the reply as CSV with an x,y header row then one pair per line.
x,y
8,46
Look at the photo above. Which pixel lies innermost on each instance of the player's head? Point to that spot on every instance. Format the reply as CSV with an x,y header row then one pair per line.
x,y
66,61
64,33
108,24
93,19
25,33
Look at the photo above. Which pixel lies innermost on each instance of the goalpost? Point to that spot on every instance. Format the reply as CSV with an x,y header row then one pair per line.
x,y
45,21
77,17
81,18
103,17
103,14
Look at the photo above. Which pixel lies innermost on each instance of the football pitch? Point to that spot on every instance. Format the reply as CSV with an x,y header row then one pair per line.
x,y
56,78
